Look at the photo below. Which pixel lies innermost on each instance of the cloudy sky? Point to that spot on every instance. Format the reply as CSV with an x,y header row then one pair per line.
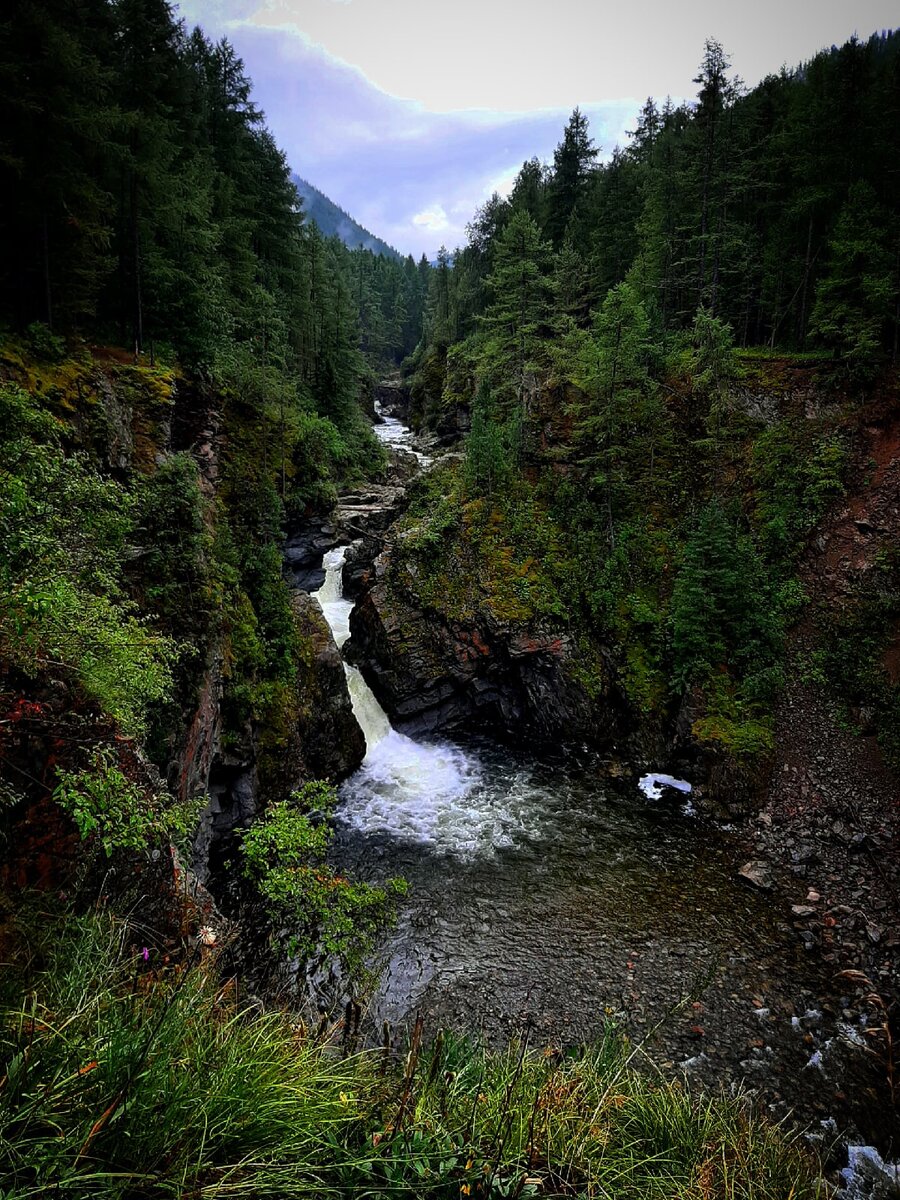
x,y
409,113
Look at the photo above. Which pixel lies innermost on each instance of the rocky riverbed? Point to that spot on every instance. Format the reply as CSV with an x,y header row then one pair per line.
x,y
548,897
549,900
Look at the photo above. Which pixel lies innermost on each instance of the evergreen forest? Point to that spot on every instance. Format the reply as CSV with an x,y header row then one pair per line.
x,y
548,584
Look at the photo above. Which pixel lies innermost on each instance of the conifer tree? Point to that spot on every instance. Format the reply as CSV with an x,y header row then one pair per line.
x,y
573,161
620,398
519,290
854,296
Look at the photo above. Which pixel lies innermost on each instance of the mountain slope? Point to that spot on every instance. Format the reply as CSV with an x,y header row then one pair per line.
x,y
332,221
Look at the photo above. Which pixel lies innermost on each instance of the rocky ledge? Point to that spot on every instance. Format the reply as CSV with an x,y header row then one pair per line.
x,y
431,673
331,742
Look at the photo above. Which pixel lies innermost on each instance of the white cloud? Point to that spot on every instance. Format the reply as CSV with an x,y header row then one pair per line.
x,y
433,219
414,171
502,184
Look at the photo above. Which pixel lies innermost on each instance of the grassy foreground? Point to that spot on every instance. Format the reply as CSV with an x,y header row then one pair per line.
x,y
123,1076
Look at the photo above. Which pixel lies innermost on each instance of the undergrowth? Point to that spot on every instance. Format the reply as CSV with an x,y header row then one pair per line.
x,y
125,1075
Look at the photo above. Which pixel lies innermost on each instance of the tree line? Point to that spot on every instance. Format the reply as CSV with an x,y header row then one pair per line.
x,y
144,201
775,210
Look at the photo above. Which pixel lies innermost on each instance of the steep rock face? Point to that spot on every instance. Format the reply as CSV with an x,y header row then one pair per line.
x,y
393,396
325,742
522,684
364,519
359,517
304,549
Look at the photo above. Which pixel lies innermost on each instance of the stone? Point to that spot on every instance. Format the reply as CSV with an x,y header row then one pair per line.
x,y
431,673
331,742
757,874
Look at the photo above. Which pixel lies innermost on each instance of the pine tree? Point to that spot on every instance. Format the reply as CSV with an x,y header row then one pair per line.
x,y
519,289
58,117
573,161
620,405
855,296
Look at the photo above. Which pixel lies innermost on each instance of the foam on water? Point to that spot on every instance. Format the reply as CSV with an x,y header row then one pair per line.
x,y
331,597
652,785
394,433
426,793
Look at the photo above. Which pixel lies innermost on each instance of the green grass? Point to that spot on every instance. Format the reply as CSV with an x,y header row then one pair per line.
x,y
130,1078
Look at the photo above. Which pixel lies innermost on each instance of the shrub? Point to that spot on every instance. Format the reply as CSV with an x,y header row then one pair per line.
x,y
113,813
63,541
284,856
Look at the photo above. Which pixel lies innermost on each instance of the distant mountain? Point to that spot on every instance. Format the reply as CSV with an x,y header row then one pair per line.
x,y
332,220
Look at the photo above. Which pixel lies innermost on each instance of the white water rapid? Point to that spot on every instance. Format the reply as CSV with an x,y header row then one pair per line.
x,y
366,709
413,791
394,433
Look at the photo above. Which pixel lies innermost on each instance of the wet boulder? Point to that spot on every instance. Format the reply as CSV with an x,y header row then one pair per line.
x,y
304,550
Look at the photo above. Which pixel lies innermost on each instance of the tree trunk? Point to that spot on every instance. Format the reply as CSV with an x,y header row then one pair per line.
x,y
45,267
806,266
138,313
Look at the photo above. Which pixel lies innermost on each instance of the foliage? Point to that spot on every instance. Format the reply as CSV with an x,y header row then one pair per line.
x,y
113,813
43,343
63,531
158,209
173,565
132,1078
721,611
712,363
798,474
284,855
760,216
110,652
519,288
489,455
860,652
619,421
502,558
854,296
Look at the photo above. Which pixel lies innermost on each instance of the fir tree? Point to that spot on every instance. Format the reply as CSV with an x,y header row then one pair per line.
x,y
854,296
573,161
519,290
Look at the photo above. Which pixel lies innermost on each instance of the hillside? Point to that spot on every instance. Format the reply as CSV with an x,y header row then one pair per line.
x,y
449,717
334,222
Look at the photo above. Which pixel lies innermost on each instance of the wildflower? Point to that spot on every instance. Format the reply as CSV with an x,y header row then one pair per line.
x,y
145,954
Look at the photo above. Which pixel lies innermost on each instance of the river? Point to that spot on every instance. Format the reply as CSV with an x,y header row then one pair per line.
x,y
549,899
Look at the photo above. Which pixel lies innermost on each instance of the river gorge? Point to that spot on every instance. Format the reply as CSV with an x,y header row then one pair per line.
x,y
548,898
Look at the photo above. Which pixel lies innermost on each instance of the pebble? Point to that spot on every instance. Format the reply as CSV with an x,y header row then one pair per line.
x,y
693,1064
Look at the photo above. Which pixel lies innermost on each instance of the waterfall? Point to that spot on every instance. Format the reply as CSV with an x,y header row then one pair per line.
x,y
368,712
425,792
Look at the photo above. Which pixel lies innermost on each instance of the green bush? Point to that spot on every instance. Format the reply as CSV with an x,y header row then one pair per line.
x,y
722,612
113,813
797,475
284,855
64,533
44,343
